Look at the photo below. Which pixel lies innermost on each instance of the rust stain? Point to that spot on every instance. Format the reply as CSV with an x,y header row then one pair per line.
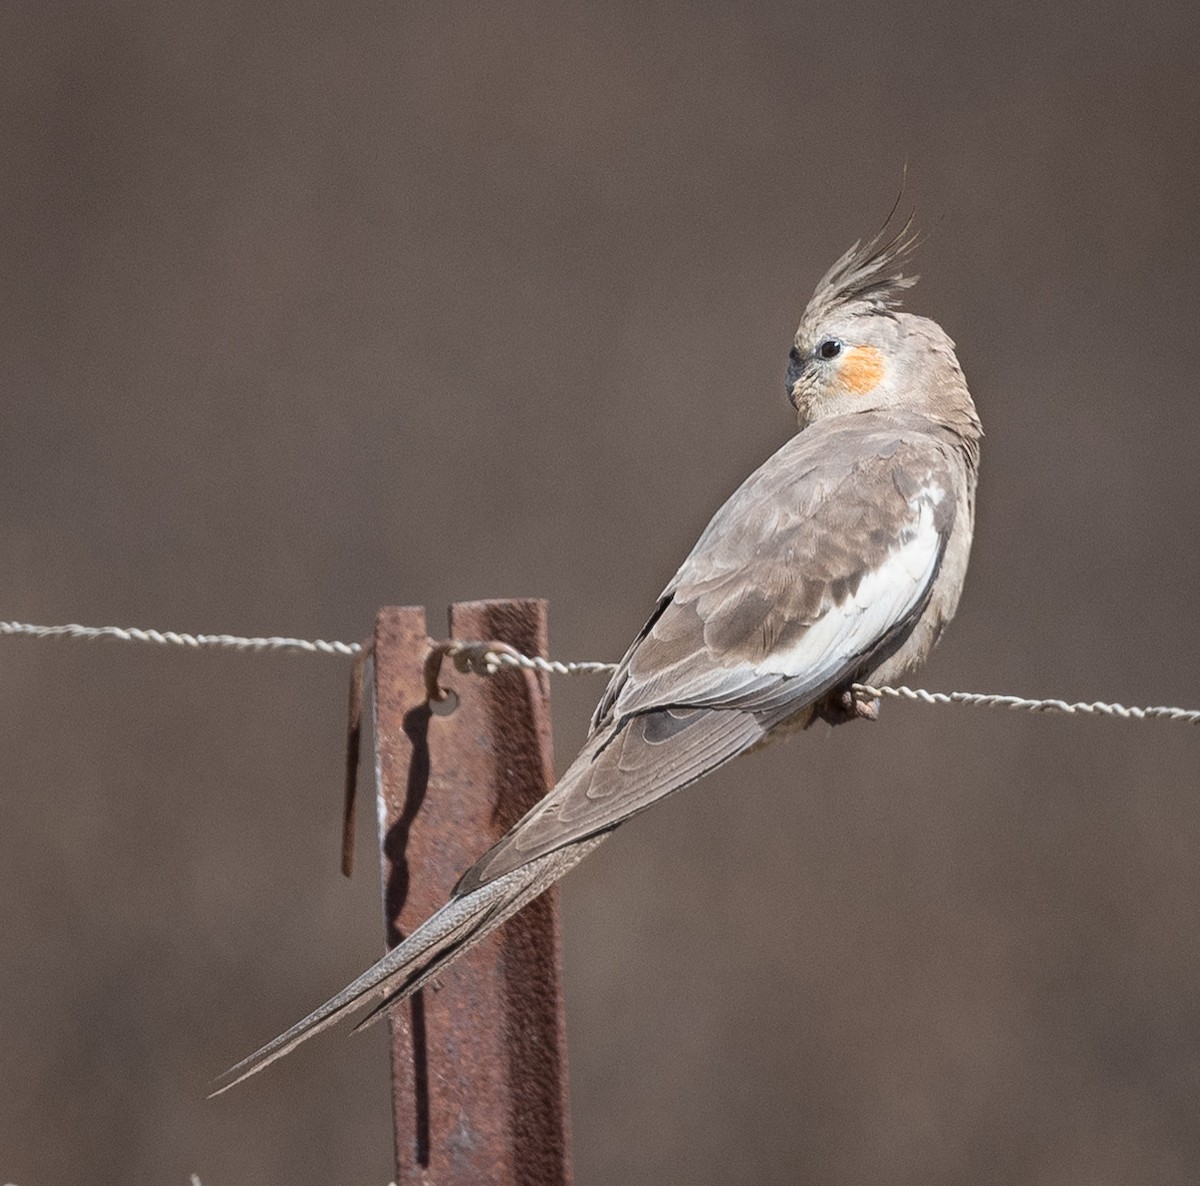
x,y
479,1059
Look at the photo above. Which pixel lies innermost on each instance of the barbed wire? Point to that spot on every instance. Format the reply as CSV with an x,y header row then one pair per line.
x,y
483,658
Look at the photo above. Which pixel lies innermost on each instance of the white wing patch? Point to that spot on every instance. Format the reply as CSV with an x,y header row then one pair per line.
x,y
884,598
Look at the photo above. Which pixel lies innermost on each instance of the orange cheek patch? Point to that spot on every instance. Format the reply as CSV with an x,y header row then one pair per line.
x,y
861,369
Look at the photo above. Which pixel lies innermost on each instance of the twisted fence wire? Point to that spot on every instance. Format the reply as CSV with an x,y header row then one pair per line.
x,y
179,639
481,659
476,657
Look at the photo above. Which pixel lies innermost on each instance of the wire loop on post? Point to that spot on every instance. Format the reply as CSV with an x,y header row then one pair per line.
x,y
434,692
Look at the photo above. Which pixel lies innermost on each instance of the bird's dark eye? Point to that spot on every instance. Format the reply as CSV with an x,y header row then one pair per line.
x,y
830,348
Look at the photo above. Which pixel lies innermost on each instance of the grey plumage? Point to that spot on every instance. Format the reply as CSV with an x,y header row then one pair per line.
x,y
867,278
840,560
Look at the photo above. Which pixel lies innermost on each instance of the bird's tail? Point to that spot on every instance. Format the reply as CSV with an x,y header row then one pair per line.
x,y
457,926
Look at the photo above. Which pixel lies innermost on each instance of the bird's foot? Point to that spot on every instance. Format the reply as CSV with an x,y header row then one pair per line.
x,y
846,705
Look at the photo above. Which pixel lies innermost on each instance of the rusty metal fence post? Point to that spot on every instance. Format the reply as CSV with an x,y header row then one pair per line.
x,y
479,1068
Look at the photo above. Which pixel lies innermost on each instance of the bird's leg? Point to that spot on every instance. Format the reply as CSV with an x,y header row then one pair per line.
x,y
845,705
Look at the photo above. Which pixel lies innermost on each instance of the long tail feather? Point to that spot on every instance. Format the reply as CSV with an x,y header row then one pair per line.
x,y
455,928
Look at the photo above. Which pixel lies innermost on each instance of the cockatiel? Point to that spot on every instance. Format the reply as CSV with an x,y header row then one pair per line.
x,y
838,561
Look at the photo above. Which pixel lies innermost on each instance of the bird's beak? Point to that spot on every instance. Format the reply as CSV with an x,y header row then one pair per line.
x,y
792,382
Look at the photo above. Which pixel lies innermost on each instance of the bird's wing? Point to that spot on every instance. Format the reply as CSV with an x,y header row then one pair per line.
x,y
621,770
819,564
821,561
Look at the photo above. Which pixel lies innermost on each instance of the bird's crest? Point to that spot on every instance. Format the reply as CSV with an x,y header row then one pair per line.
x,y
867,279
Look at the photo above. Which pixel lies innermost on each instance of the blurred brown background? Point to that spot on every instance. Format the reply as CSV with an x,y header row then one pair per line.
x,y
311,308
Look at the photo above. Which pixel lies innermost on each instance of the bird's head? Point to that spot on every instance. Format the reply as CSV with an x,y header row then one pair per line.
x,y
855,352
